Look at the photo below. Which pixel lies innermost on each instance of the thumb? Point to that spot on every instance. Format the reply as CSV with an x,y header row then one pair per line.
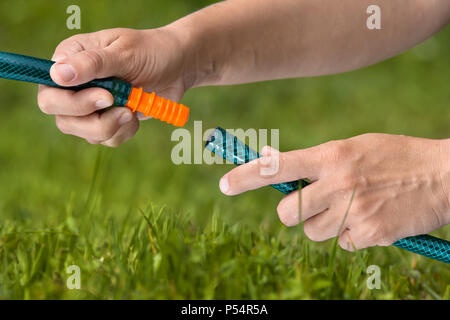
x,y
85,66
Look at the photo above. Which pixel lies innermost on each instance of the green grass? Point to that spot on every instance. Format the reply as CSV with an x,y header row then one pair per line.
x,y
139,226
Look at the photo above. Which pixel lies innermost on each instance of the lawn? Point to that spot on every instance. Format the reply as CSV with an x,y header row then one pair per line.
x,y
139,226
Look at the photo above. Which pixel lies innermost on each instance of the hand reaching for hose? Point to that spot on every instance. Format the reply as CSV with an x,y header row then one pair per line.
x,y
400,187
151,59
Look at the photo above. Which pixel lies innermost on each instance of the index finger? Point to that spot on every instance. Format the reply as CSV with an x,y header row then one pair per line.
x,y
274,167
73,103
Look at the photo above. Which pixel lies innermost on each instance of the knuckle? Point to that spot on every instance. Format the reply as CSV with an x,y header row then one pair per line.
x,y
108,36
74,42
348,182
79,106
336,151
359,207
73,39
117,31
344,243
351,181
375,232
65,42
104,130
363,206
128,36
94,60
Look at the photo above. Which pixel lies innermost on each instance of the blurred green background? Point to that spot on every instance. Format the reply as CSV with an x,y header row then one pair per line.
x,y
50,182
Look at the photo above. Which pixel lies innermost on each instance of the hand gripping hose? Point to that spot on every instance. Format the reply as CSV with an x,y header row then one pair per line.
x,y
35,70
233,150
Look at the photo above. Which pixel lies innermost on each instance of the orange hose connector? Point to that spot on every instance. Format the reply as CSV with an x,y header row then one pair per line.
x,y
157,107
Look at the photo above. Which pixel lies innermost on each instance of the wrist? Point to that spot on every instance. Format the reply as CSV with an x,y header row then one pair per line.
x,y
445,173
201,57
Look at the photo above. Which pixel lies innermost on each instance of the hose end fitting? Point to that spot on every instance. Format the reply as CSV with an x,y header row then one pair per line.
x,y
157,107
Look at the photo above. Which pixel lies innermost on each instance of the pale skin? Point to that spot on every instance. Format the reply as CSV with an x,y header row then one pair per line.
x,y
400,185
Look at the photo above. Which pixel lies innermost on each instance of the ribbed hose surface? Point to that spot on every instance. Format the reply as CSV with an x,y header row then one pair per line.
x,y
426,245
233,150
35,70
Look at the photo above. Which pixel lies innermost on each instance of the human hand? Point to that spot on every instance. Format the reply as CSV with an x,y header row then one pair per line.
x,y
400,187
151,59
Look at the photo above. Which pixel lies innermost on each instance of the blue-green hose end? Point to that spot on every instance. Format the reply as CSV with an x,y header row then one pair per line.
x,y
427,246
30,69
230,148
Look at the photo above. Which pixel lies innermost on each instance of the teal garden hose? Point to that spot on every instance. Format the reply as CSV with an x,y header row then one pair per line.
x,y
233,150
35,70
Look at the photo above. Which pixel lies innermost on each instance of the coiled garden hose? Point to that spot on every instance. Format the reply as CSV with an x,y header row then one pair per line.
x,y
35,70
233,150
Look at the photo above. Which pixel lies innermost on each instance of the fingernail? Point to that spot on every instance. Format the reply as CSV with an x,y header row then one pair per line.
x,y
103,104
224,185
125,117
65,71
